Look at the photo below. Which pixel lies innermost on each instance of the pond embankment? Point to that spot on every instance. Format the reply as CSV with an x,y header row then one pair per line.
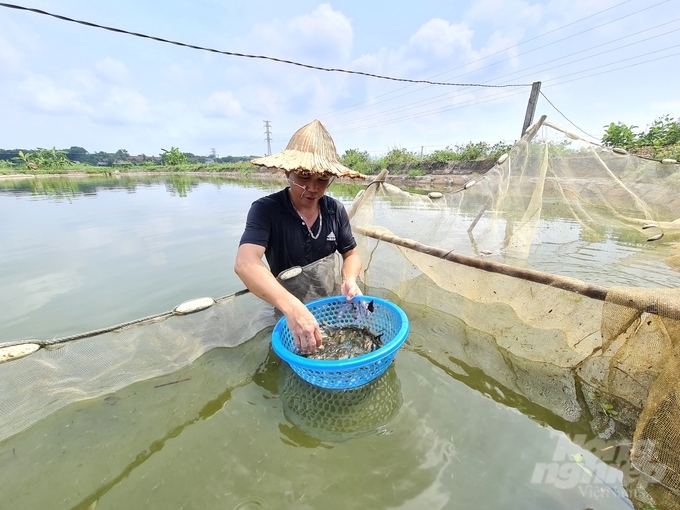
x,y
421,175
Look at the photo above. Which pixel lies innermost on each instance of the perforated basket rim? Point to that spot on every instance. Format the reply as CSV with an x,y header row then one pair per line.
x,y
344,364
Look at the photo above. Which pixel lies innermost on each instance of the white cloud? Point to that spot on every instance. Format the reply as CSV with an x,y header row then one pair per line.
x,y
10,57
439,39
111,70
222,104
82,92
121,105
323,35
40,93
327,33
178,74
366,63
262,99
17,46
498,12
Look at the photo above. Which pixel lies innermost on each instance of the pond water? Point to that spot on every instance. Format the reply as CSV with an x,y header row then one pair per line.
x,y
80,255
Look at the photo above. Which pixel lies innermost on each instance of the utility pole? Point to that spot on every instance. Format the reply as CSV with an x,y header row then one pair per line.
x,y
531,106
213,154
269,138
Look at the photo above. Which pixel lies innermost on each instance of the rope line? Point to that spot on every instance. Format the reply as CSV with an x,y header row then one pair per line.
x,y
563,115
245,55
109,329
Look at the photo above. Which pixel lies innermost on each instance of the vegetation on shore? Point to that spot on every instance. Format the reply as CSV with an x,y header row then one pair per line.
x,y
659,140
54,161
361,161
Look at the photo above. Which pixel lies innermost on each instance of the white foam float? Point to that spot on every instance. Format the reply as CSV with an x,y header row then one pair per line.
x,y
17,351
193,305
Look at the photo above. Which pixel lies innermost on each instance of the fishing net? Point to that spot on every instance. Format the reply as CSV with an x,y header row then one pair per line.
x,y
66,370
339,415
561,263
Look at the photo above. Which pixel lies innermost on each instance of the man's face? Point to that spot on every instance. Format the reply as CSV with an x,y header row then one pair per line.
x,y
311,187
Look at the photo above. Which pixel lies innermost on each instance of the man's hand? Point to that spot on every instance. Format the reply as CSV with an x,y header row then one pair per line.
x,y
351,265
350,288
304,328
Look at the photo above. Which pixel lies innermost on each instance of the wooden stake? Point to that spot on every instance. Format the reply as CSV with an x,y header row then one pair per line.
x,y
531,106
560,282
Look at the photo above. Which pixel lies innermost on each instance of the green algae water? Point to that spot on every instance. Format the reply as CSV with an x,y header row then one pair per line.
x,y
205,437
237,429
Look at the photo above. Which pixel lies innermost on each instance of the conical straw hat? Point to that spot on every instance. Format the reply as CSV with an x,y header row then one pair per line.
x,y
310,151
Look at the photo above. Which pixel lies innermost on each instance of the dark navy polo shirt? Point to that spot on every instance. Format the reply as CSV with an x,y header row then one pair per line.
x,y
274,224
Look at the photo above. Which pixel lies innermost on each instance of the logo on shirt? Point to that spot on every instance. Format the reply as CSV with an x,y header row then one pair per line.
x,y
331,237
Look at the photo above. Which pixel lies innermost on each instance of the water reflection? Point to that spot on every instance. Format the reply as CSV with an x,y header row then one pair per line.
x,y
339,415
177,184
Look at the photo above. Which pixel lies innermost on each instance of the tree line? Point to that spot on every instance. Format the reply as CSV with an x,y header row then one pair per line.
x,y
659,140
79,155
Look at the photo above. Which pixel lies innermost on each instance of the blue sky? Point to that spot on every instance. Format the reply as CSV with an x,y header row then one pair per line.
x,y
63,84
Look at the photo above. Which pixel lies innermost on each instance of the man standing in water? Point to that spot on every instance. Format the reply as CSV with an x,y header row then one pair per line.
x,y
297,226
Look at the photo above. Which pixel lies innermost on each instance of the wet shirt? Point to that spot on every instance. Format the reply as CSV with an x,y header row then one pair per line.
x,y
274,224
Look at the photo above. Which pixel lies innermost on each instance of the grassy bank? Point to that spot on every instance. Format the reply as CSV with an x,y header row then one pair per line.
x,y
65,169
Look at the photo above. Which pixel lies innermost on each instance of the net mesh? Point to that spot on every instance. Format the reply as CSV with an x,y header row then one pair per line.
x,y
561,262
93,364
339,415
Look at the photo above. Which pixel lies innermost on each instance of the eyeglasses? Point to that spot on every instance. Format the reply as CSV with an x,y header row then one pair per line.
x,y
304,187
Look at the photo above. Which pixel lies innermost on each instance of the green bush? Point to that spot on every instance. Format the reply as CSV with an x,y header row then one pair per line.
x,y
472,151
619,135
44,159
661,139
468,152
498,149
662,132
173,157
399,156
360,161
442,156
354,157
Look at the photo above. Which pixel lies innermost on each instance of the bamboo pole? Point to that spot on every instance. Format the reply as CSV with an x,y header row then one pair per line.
x,y
560,282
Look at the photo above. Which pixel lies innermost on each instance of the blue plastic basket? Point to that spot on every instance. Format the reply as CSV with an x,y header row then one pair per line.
x,y
387,320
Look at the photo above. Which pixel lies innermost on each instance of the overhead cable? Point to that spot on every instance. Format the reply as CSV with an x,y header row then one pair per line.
x,y
563,115
357,106
245,55
493,54
558,40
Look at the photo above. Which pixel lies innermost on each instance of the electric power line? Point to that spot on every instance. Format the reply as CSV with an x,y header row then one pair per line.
x,y
427,82
458,93
245,55
568,120
565,38
493,54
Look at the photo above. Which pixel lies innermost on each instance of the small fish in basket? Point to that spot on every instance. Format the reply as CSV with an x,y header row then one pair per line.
x,y
345,342
361,338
